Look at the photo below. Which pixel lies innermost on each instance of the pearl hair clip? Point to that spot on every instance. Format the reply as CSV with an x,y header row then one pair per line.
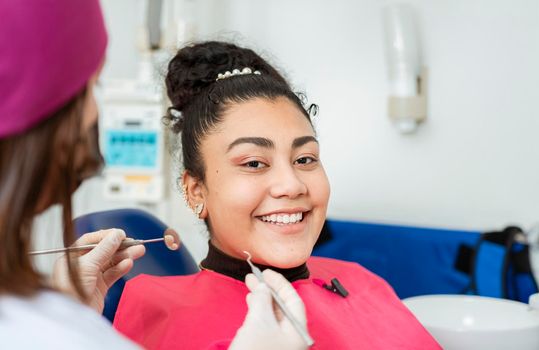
x,y
229,74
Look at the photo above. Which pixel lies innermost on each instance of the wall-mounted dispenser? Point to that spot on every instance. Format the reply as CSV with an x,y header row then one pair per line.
x,y
407,78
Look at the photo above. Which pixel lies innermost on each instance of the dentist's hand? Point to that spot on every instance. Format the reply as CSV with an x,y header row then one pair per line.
x,y
265,327
99,268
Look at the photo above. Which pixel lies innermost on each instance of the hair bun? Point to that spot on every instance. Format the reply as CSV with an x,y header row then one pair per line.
x,y
195,67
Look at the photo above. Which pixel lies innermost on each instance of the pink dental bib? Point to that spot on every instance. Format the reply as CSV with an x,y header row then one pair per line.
x,y
204,311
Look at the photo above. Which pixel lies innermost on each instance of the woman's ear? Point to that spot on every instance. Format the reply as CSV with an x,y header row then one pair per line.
x,y
195,194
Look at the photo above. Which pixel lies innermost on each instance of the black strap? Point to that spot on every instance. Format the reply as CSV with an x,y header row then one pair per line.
x,y
467,260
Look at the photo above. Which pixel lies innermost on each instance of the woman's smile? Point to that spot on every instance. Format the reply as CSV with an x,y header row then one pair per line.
x,y
286,221
283,218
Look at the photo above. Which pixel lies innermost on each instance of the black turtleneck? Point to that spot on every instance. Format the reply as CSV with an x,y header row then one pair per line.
x,y
224,264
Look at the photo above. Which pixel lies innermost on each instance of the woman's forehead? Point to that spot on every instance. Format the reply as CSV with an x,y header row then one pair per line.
x,y
264,117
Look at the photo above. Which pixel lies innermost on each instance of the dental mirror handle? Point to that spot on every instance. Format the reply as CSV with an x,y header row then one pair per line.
x,y
125,244
280,302
170,237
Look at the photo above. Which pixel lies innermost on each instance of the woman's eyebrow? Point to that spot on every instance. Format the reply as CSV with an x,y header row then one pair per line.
x,y
257,141
300,141
267,143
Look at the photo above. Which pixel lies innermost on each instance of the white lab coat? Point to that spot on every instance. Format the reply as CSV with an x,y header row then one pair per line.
x,y
53,321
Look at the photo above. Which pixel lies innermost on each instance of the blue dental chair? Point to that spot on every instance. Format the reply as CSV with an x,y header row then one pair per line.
x,y
158,260
419,260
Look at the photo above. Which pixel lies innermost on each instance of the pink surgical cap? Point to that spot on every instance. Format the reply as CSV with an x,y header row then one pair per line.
x,y
49,49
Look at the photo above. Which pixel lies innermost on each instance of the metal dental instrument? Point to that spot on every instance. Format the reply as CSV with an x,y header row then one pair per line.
x,y
170,237
280,302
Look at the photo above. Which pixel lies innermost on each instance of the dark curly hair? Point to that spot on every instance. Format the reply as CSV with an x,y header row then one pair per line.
x,y
193,90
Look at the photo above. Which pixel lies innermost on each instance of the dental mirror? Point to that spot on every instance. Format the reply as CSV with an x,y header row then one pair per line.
x,y
171,238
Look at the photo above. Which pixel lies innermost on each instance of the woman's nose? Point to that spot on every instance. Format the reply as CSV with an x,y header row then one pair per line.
x,y
287,183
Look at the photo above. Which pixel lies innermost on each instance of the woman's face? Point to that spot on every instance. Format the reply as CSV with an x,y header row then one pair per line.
x,y
89,109
87,158
266,191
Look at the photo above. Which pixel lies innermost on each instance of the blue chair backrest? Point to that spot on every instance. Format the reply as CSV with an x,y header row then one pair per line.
x,y
418,260
158,260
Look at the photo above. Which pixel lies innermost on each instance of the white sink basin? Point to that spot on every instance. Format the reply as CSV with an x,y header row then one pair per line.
x,y
473,322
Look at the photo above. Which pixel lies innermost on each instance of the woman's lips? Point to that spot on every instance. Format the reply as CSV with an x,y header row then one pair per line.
x,y
283,218
278,222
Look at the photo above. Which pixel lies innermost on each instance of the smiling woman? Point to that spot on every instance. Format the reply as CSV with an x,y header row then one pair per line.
x,y
253,173
262,174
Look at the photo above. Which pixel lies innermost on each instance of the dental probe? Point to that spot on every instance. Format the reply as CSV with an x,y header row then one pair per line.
x,y
170,237
280,302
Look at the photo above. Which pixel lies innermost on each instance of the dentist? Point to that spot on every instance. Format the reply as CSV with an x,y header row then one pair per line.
x,y
51,54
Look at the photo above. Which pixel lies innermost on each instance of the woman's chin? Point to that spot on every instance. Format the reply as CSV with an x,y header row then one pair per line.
x,y
286,262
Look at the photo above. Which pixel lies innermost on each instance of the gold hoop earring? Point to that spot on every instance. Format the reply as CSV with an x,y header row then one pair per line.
x,y
198,209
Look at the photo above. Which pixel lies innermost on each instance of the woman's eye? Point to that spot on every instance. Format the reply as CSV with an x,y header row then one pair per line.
x,y
305,160
255,164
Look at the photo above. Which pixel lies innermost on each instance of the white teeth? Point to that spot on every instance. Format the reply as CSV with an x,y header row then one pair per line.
x,y
283,218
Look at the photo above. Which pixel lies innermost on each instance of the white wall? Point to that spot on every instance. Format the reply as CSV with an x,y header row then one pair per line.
x,y
473,165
